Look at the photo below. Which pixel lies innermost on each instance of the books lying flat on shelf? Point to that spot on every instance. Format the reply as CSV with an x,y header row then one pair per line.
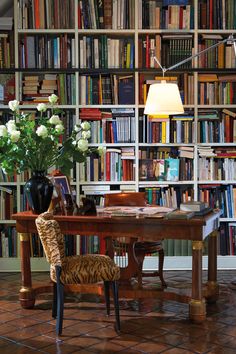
x,y
193,206
180,214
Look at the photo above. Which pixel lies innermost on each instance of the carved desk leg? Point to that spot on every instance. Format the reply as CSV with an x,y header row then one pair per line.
x,y
197,305
212,292
27,295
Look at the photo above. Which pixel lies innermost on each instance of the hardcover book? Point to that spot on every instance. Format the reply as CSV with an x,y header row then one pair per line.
x,y
180,214
193,206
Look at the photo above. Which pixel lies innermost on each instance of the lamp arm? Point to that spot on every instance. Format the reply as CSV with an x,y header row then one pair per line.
x,y
229,39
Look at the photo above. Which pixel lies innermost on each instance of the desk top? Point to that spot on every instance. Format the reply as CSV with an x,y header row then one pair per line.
x,y
196,228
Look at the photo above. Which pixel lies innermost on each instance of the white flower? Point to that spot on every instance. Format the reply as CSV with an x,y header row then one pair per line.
x,y
15,136
11,125
76,128
82,145
101,150
85,126
14,105
3,130
41,107
42,131
74,142
59,128
86,134
55,120
53,99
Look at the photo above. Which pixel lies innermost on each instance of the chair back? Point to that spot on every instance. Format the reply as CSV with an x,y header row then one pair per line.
x,y
125,199
51,237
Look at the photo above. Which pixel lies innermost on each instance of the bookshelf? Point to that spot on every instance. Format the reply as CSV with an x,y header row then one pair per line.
x,y
103,75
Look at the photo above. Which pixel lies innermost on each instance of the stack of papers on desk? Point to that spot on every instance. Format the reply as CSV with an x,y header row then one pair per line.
x,y
149,211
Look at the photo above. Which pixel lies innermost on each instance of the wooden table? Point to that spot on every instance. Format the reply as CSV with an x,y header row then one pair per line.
x,y
147,229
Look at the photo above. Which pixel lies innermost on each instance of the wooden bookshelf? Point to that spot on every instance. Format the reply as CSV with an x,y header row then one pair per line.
x,y
102,68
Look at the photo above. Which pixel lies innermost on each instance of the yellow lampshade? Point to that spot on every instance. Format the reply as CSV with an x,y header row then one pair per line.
x,y
164,98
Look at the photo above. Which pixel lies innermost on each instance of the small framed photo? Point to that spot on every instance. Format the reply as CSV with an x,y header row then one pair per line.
x,y
62,184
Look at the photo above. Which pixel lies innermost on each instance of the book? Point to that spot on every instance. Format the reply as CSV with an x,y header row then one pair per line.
x,y
126,89
180,214
193,206
171,169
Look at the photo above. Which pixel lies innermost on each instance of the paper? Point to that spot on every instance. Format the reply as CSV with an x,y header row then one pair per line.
x,y
129,210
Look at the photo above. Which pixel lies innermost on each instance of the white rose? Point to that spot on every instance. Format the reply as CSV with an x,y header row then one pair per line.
x,y
76,128
82,144
59,128
53,99
55,120
86,134
41,107
101,150
85,126
11,125
3,130
42,131
13,105
15,136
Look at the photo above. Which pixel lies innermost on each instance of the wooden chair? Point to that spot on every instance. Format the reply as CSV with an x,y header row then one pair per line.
x,y
81,269
140,248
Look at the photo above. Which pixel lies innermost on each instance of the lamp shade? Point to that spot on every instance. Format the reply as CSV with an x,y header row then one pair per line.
x,y
163,98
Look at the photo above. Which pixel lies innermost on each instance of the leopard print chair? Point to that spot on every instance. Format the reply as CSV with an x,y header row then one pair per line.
x,y
82,269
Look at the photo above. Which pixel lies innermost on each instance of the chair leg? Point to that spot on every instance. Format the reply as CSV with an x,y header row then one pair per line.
x,y
160,268
54,302
60,302
116,304
107,296
140,257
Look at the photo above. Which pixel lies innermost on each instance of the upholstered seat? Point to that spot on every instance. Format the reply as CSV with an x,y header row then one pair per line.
x,y
140,248
81,269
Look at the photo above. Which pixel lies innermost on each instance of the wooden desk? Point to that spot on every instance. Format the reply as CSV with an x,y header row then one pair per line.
x,y
148,229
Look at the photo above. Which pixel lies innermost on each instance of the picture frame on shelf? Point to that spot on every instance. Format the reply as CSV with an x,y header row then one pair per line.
x,y
63,194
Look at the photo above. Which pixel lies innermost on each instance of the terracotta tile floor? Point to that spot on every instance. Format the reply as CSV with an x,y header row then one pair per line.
x,y
148,326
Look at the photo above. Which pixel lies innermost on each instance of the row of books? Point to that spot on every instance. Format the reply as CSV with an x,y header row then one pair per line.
x,y
108,14
227,240
216,14
50,14
8,241
115,126
37,88
220,196
169,196
8,204
6,50
119,89
220,169
106,89
168,169
119,14
43,51
169,49
221,57
217,93
115,165
106,52
157,14
162,129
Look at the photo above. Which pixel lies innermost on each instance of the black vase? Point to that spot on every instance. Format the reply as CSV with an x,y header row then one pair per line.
x,y
38,190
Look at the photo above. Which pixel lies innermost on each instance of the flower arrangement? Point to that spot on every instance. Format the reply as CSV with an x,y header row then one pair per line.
x,y
34,144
